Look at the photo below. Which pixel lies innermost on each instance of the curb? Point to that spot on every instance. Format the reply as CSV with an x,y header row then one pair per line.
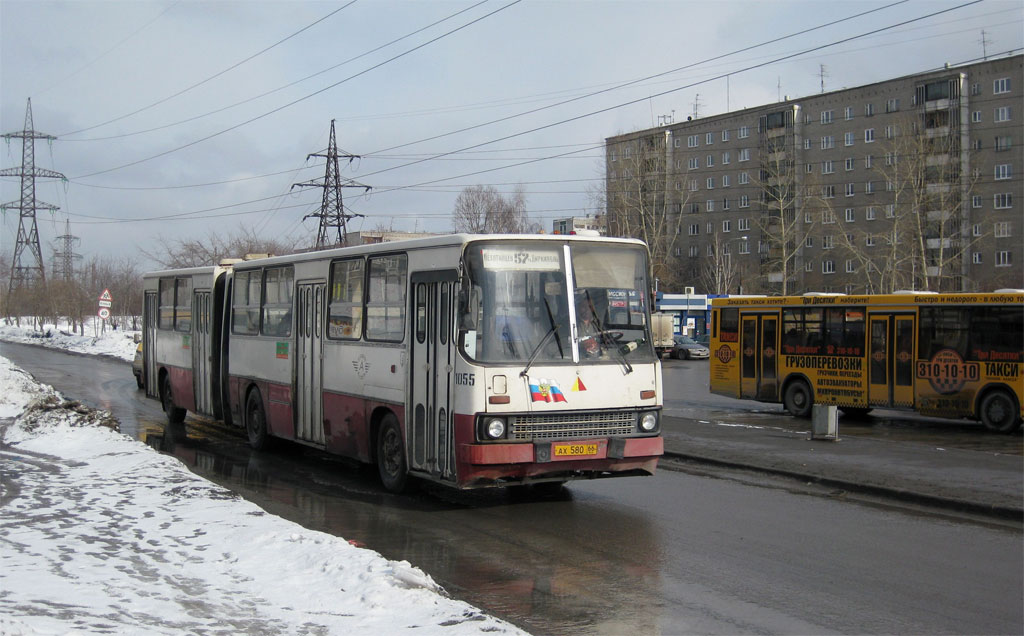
x,y
1005,513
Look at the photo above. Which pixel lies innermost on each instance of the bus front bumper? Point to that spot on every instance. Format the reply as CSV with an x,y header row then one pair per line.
x,y
485,464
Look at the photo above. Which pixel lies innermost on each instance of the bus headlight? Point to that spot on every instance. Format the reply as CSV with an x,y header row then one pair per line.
x,y
494,428
648,422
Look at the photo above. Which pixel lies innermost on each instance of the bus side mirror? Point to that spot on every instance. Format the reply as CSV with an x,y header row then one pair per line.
x,y
469,307
137,338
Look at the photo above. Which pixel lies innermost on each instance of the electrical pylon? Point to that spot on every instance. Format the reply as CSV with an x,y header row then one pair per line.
x,y
23,275
332,213
64,260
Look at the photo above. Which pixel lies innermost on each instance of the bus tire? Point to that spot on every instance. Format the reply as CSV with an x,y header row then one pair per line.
x,y
256,421
999,412
391,455
798,398
175,414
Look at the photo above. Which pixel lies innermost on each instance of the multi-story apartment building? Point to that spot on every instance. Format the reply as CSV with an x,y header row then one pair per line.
x,y
909,183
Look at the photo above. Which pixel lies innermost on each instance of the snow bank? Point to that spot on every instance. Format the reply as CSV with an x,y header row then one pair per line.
x,y
100,533
114,343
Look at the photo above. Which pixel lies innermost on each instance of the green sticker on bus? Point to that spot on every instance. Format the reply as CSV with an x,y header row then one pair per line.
x,y
282,350
186,341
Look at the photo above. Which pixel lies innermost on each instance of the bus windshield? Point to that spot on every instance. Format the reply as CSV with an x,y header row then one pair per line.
x,y
523,303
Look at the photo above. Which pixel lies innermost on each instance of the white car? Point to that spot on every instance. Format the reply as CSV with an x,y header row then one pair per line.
x,y
688,348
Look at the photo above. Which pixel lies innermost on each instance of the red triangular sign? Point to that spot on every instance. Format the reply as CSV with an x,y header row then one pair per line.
x,y
106,295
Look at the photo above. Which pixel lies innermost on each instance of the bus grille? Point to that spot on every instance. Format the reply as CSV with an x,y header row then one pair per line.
x,y
572,425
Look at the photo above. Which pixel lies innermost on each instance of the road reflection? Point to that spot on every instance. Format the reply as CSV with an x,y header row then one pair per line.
x,y
571,563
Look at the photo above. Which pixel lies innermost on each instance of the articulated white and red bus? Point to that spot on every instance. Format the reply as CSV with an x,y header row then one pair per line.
x,y
469,360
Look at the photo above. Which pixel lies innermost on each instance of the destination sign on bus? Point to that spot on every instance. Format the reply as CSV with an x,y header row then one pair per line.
x,y
525,259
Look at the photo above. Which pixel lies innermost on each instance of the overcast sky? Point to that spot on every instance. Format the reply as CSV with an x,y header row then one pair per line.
x,y
186,118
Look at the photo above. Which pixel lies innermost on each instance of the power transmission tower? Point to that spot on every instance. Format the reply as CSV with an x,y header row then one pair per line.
x,y
64,260
332,212
23,275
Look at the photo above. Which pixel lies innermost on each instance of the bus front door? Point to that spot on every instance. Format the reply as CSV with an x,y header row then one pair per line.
x,y
758,357
430,425
201,380
891,360
309,318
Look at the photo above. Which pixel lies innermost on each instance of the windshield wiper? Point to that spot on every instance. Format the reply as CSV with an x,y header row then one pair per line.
x,y
610,343
543,341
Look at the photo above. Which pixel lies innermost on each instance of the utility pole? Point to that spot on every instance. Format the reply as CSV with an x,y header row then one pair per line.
x,y
64,260
332,212
23,275
822,73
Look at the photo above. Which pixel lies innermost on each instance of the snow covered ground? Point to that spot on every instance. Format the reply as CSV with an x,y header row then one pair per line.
x,y
99,533
96,341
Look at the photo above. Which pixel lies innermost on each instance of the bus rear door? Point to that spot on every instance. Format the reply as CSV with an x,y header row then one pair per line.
x,y
891,359
201,379
430,425
759,346
150,312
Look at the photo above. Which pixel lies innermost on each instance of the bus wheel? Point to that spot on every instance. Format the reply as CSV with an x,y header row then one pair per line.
x,y
255,421
391,455
175,415
999,412
798,399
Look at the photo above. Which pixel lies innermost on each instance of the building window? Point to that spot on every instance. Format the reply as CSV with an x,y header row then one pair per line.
x,y
675,142
1002,201
808,168
694,208
744,247
694,229
1001,85
725,135
869,187
890,158
976,201
850,215
869,135
711,183
828,192
807,143
693,185
745,154
744,178
1003,143
743,225
725,181
849,163
828,267
710,161
809,241
869,110
710,205
827,242
827,142
849,189
826,117
976,258
976,230
977,144
726,226
976,117
1002,114
694,251
744,132
892,105
725,204
692,141
872,213
890,211
1002,229
890,132
869,241
726,158
975,89
828,167
1004,258
809,266
709,139
868,160
711,250
1002,171
850,267
744,201
849,113
848,139
693,163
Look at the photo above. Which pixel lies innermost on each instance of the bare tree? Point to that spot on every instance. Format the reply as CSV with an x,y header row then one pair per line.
x,y
178,253
642,204
789,202
482,209
720,272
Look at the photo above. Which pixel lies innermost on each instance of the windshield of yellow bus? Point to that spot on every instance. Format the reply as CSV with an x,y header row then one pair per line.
x,y
524,302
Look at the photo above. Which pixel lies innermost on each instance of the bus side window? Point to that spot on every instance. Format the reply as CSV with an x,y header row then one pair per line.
x,y
730,324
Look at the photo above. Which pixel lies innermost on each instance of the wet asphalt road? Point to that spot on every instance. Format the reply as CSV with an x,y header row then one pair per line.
x,y
681,552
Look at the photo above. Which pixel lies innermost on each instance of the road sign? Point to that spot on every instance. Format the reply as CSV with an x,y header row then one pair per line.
x,y
106,295
105,303
104,313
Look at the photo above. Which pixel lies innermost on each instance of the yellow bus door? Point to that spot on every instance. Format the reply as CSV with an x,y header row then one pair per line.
x,y
891,360
758,357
